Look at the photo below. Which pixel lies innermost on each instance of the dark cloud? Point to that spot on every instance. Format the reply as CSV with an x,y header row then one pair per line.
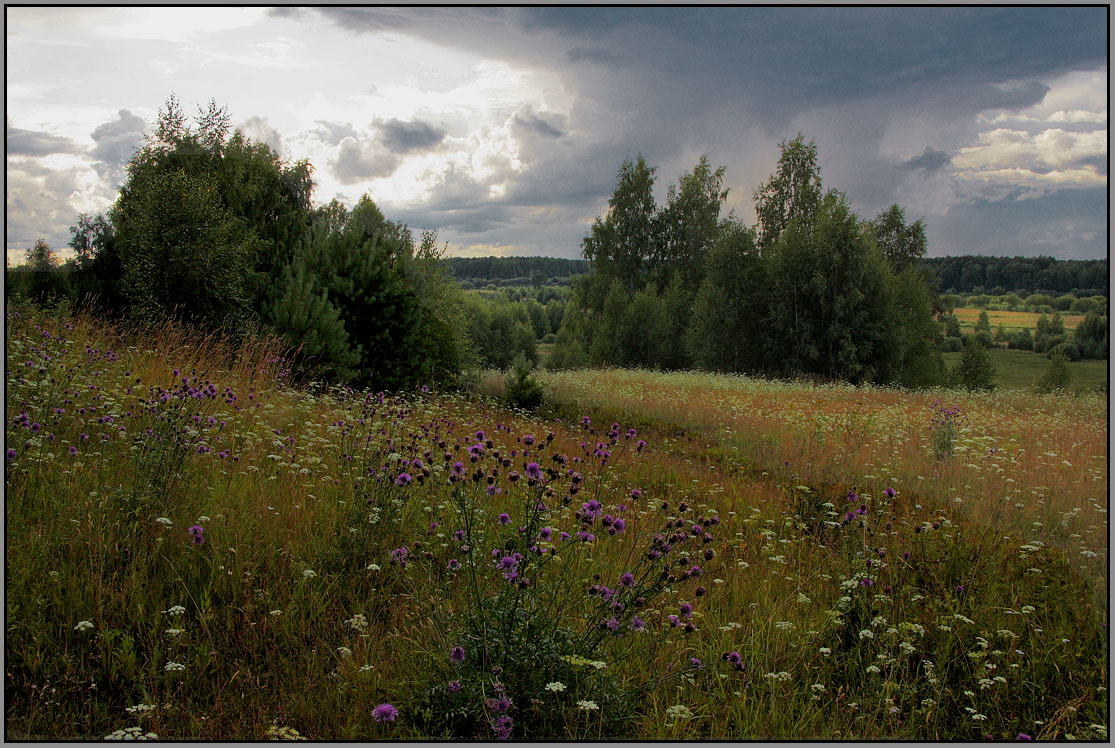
x,y
357,162
1019,97
407,137
259,130
33,143
1065,224
598,55
929,161
116,143
332,133
540,124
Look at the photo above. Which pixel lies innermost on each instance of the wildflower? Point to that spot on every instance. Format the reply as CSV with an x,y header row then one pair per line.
x,y
457,654
555,687
587,706
372,567
504,519
403,479
686,610
612,624
170,666
867,634
528,440
174,632
175,610
627,579
358,622
195,531
83,625
458,469
679,711
11,454
73,451
889,493
533,471
385,713
453,564
453,686
309,574
502,727
732,658
344,652
638,624
164,521
1024,736
131,733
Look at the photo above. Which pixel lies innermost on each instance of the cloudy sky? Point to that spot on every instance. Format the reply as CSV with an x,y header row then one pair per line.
x,y
504,128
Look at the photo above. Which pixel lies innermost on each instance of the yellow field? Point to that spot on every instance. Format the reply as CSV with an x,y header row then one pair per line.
x,y
1012,320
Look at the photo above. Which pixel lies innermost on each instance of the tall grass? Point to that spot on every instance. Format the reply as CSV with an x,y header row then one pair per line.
x,y
235,557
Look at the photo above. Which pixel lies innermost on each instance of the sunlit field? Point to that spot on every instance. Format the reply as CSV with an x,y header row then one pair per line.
x,y
199,547
1011,321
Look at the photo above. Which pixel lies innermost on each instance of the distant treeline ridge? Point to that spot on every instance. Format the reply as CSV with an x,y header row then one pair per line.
x,y
961,274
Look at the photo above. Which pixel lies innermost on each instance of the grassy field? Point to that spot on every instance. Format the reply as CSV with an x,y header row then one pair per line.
x,y
1012,321
199,548
1021,370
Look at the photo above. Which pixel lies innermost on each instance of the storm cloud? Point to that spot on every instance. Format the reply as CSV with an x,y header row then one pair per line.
x,y
407,137
34,143
116,143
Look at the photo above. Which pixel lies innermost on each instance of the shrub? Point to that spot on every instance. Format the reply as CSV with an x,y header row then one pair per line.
x,y
1021,340
982,338
1057,377
520,388
1068,350
976,370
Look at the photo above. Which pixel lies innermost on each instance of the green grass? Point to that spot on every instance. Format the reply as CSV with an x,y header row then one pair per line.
x,y
1021,370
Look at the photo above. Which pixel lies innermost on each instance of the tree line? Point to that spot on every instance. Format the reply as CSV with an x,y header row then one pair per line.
x,y
977,274
811,289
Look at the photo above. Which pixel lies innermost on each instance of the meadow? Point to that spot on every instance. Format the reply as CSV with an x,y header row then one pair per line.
x,y
1022,370
1011,321
200,546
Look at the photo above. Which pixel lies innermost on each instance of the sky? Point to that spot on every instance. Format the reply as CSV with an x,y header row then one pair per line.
x,y
504,128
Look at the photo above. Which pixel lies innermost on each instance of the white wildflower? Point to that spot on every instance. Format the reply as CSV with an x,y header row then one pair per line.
x,y
555,686
83,625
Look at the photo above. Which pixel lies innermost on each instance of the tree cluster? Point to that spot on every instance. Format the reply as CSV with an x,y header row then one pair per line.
x,y
214,229
810,290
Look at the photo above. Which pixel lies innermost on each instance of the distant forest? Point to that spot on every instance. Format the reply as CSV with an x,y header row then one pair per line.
x,y
514,271
976,274
998,275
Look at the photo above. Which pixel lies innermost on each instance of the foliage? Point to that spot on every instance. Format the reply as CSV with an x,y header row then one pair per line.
x,y
793,193
1091,336
1058,377
975,372
521,390
900,244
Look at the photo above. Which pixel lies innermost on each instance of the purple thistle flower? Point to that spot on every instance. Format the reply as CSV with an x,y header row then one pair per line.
x,y
453,564
528,440
458,468
889,493
733,658
385,713
454,686
545,533
638,624
479,436
504,519
612,624
533,471
403,479
627,579
1024,736
457,654
639,445
636,493
73,451
11,454
694,662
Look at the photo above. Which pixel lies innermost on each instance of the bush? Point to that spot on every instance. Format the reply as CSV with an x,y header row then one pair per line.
x,y
976,370
1067,350
1057,377
549,338
982,338
1021,340
520,388
951,345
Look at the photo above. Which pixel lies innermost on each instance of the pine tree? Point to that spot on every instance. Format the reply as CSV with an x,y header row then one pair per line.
x,y
1056,378
976,371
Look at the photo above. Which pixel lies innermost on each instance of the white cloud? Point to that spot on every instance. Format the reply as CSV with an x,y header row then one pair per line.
x,y
1054,148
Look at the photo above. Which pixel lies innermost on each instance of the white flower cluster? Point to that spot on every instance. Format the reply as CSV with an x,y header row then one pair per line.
x,y
131,733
